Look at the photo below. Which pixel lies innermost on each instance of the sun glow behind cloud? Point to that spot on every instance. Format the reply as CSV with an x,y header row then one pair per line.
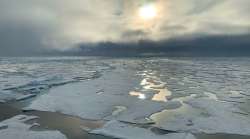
x,y
62,23
148,11
145,17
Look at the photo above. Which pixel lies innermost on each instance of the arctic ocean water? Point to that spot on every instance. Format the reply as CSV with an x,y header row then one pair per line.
x,y
171,98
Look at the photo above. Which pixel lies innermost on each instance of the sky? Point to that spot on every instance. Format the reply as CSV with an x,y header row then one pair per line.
x,y
28,26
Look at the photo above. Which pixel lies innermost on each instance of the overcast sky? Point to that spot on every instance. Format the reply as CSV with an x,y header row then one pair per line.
x,y
33,25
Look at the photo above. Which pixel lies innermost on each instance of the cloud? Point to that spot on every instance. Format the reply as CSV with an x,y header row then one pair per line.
x,y
208,46
29,26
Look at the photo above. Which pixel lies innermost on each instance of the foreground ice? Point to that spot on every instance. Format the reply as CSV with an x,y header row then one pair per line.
x,y
114,102
125,131
16,128
204,115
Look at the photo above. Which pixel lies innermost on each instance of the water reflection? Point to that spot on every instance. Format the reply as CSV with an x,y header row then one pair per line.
x,y
151,83
138,94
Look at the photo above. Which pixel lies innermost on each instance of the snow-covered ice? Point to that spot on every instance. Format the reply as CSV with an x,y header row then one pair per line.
x,y
125,131
21,77
204,115
25,97
16,128
82,99
195,95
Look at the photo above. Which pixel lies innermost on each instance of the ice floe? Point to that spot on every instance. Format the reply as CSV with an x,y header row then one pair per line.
x,y
22,77
125,131
204,115
81,99
25,97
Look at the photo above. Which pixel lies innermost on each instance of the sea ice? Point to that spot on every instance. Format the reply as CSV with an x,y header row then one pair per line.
x,y
126,131
83,100
219,101
25,97
204,115
22,77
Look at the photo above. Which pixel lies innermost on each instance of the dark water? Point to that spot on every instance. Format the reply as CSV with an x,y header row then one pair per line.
x,y
68,125
7,112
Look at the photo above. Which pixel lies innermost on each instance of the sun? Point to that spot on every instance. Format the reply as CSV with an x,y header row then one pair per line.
x,y
148,11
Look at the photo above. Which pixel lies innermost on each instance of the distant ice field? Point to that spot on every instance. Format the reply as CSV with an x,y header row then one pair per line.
x,y
21,78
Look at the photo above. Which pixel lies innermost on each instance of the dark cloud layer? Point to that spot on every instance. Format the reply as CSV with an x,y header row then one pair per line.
x,y
30,27
219,46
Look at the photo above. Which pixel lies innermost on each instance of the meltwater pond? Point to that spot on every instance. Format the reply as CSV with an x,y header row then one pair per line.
x,y
178,97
